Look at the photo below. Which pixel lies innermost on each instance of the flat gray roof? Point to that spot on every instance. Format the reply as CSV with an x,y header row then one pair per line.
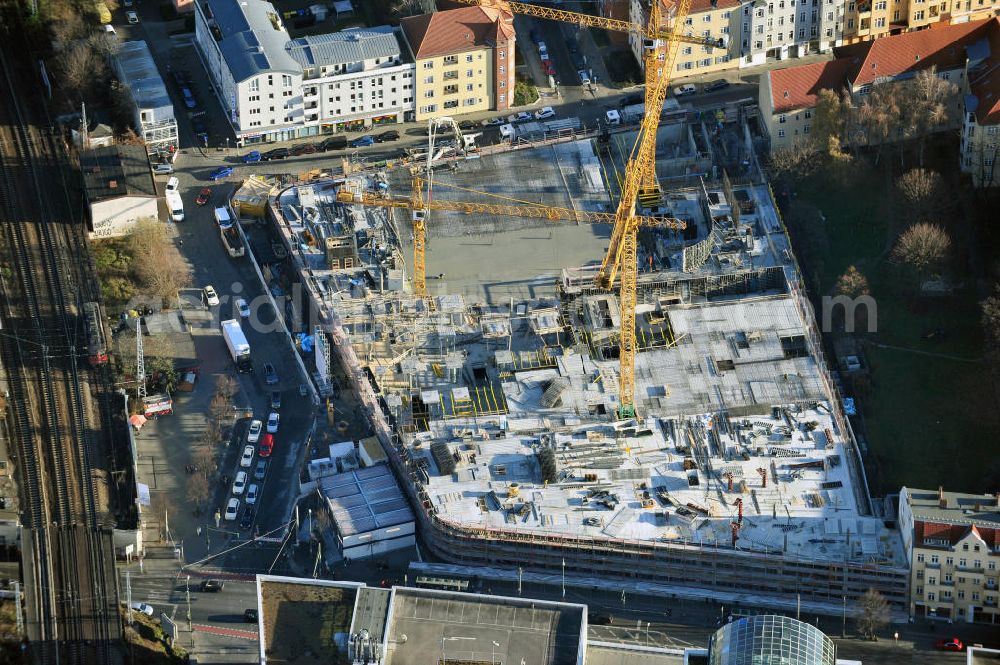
x,y
138,71
960,507
116,170
364,500
345,47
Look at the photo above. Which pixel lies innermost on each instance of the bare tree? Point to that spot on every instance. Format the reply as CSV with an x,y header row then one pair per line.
x,y
796,162
852,283
922,247
828,118
153,346
77,63
226,386
927,109
879,114
874,614
203,457
219,408
923,194
197,489
156,262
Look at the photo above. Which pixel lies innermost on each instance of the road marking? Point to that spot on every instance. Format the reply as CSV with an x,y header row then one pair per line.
x,y
228,632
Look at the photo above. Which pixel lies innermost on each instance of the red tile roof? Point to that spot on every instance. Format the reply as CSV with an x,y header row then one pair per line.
x,y
698,6
942,47
456,30
797,87
953,533
984,81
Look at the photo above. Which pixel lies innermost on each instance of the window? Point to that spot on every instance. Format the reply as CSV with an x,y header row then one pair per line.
x,y
503,54
963,563
708,18
428,79
255,85
468,87
975,596
979,564
918,15
920,558
451,90
880,5
920,591
934,558
450,60
503,70
805,130
895,15
809,113
428,93
961,595
932,580
965,548
930,596
947,578
687,50
781,119
468,72
781,133
471,101
880,23
428,109
850,23
689,21
503,98
429,64
992,565
451,104
468,58
503,84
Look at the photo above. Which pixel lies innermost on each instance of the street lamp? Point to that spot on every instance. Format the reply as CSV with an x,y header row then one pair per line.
x,y
444,658
493,652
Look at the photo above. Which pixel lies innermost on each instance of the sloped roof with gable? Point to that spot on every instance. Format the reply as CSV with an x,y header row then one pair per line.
x,y
456,30
984,77
347,46
797,87
900,55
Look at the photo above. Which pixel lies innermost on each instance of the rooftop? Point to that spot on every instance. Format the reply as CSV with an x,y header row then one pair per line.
x,y
253,38
798,87
953,507
984,76
345,47
456,30
114,171
140,75
366,499
305,622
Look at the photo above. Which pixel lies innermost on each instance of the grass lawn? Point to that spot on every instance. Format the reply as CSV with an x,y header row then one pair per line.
x,y
926,416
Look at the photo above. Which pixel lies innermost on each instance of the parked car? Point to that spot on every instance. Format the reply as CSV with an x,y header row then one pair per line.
x,y
240,483
333,143
211,297
251,497
247,458
132,17
247,520
277,153
391,135
596,619
266,446
952,644
630,100
270,376
584,76
720,84
142,607
189,101
212,586
272,422
163,169
261,470
275,400
232,509
362,141
303,149
243,308
546,112
253,433
250,616
173,184
251,157
685,90
204,196
221,172
493,121
549,68
468,125
522,116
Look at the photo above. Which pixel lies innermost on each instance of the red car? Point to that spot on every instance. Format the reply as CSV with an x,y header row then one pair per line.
x,y
204,196
266,445
954,644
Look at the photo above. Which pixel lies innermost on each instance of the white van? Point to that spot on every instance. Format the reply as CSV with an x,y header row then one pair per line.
x,y
507,132
684,90
613,118
175,206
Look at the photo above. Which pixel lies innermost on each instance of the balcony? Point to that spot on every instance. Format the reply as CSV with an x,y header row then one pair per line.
x,y
451,75
451,60
451,90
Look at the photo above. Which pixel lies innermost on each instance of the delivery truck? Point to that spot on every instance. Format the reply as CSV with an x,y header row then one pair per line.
x,y
236,342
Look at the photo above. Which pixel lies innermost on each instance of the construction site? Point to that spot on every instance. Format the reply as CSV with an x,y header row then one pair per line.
x,y
591,354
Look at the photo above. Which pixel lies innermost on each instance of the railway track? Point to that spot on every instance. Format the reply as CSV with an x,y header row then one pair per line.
x,y
71,591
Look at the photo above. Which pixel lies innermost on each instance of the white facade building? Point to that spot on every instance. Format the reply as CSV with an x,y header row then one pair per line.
x,y
781,29
152,110
353,79
277,88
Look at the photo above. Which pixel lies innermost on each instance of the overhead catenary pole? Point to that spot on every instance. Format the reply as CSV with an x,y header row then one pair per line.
x,y
128,597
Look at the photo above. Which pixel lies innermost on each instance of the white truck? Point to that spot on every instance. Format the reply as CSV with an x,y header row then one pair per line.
x,y
236,342
172,195
222,218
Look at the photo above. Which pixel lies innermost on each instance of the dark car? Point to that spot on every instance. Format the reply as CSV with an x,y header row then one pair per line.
x,y
468,125
275,400
391,135
721,84
198,125
277,153
333,143
212,586
596,619
250,616
247,520
303,149
630,100
261,470
270,376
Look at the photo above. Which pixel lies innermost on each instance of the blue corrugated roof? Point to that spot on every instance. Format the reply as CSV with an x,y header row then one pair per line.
x,y
339,48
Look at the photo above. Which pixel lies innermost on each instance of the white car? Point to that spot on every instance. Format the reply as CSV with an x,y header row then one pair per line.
x,y
523,116
253,434
251,495
493,121
232,508
684,90
211,297
132,17
547,112
142,607
161,169
243,308
247,459
240,483
272,422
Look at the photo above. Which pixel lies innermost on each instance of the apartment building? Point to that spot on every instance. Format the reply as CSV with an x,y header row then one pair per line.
x,y
782,29
464,60
952,543
242,44
352,80
716,19
873,19
981,117
786,97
